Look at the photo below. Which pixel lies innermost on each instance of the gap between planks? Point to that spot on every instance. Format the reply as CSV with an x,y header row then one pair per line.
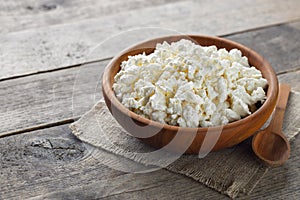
x,y
53,70
40,127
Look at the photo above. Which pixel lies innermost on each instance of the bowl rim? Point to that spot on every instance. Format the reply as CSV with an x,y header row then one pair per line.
x,y
272,91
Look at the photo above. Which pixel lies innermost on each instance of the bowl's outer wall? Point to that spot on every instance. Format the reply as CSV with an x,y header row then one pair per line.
x,y
232,133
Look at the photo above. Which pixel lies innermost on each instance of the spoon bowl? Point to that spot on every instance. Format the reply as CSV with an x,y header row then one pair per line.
x,y
271,148
270,144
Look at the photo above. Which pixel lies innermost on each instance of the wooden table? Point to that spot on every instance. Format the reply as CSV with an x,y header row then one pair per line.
x,y
44,46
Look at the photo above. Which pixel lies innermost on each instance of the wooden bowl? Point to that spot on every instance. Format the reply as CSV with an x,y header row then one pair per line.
x,y
160,135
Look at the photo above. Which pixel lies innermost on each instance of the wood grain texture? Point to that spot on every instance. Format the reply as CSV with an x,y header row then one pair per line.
x,y
63,45
47,160
277,44
155,185
52,164
48,97
29,14
291,78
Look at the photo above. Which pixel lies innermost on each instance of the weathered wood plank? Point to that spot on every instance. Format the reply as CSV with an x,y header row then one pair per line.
x,y
49,97
28,14
292,78
155,185
52,164
279,45
70,44
278,183
49,160
66,94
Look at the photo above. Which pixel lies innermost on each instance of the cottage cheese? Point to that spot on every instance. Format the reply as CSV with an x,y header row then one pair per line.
x,y
189,85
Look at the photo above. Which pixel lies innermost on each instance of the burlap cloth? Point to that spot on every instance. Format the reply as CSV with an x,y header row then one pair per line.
x,y
234,171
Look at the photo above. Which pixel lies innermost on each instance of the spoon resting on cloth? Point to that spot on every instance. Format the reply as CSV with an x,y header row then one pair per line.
x,y
270,144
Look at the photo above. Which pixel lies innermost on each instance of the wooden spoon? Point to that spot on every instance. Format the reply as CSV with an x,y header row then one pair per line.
x,y
270,144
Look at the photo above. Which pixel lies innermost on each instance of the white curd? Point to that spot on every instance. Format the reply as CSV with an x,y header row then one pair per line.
x,y
189,85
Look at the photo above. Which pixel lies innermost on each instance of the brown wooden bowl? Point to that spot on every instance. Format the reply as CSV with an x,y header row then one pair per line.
x,y
160,135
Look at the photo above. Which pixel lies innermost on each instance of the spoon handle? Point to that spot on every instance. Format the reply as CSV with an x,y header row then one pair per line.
x,y
277,119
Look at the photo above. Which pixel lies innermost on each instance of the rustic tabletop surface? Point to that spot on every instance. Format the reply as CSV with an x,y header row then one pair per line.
x,y
48,80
